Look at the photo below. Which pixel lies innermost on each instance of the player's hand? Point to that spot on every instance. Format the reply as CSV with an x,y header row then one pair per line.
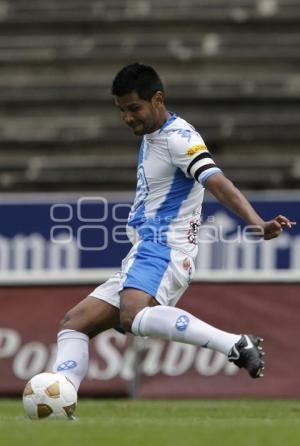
x,y
273,228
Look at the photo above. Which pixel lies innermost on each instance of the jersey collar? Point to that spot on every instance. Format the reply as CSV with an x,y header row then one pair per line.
x,y
172,118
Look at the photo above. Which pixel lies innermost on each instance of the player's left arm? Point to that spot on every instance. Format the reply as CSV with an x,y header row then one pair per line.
x,y
232,198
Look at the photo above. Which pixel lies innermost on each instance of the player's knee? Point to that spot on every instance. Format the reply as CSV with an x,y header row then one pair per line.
x,y
126,319
66,321
71,320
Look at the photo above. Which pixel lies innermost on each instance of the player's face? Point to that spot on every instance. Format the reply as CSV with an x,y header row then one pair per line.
x,y
140,115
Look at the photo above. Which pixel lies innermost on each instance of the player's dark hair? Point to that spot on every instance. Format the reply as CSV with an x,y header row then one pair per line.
x,y
137,77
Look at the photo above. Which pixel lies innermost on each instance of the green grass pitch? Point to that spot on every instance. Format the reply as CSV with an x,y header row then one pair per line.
x,y
158,423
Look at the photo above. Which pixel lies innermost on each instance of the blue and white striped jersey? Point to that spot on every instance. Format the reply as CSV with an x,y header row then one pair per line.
x,y
173,167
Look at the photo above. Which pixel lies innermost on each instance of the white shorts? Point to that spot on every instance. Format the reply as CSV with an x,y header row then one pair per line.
x,y
160,271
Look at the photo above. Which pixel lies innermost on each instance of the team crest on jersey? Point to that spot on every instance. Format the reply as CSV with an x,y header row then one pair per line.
x,y
198,148
192,234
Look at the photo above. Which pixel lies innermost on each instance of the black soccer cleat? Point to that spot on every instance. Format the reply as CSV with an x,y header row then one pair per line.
x,y
248,353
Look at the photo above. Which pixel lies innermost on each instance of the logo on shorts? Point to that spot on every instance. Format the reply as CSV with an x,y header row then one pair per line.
x,y
67,365
186,264
182,323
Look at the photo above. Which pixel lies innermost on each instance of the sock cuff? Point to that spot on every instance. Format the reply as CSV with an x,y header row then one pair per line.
x,y
136,327
71,334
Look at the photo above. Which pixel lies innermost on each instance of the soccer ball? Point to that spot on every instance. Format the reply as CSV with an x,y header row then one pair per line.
x,y
49,395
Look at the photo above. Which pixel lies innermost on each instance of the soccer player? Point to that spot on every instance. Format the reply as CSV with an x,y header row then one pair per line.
x,y
174,167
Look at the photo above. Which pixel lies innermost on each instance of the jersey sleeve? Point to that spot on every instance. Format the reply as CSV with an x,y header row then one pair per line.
x,y
189,153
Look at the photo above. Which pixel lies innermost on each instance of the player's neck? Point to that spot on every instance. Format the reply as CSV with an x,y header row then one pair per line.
x,y
164,118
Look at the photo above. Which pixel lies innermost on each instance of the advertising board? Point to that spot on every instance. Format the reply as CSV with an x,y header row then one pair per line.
x,y
29,320
62,232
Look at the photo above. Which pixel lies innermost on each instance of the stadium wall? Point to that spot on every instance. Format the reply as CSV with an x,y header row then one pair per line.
x,y
123,365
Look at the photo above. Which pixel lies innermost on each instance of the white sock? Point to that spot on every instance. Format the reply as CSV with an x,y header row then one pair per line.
x,y
72,355
178,325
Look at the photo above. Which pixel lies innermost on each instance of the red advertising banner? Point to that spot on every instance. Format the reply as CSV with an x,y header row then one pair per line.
x,y
29,318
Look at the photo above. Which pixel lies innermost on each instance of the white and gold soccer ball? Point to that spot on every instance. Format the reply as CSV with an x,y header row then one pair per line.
x,y
49,395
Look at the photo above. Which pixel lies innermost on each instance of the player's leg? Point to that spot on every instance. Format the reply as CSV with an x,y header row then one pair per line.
x,y
91,316
159,274
175,324
170,323
132,302
167,322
